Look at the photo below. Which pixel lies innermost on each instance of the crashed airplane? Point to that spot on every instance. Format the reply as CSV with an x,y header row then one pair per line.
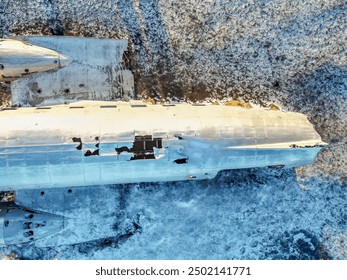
x,y
104,142
66,129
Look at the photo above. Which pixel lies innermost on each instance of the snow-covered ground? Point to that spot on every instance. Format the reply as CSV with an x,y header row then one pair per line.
x,y
291,53
242,214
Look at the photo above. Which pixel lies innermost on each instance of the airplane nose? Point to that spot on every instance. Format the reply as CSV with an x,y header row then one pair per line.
x,y
19,225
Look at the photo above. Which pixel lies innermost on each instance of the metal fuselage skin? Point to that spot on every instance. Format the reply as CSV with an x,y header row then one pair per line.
x,y
20,225
58,69
97,143
19,59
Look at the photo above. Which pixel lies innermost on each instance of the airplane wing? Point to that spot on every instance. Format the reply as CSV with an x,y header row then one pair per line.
x,y
94,72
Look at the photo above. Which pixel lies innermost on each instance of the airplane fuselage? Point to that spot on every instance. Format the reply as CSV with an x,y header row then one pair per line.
x,y
97,143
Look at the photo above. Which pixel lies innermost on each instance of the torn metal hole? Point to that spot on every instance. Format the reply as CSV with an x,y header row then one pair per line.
x,y
178,136
143,147
27,225
136,157
37,225
29,216
28,233
77,140
181,161
90,153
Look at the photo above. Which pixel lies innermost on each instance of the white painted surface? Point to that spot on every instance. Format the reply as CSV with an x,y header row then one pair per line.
x,y
37,148
19,59
54,69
